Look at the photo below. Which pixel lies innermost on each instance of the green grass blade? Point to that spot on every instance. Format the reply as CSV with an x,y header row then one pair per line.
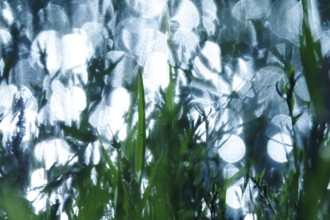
x,y
113,170
311,59
141,138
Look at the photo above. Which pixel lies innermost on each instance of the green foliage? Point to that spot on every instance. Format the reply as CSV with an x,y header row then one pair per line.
x,y
166,170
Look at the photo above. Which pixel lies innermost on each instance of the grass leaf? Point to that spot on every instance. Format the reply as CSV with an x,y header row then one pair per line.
x,y
141,138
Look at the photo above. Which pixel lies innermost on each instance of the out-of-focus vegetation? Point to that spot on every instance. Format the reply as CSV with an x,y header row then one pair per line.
x,y
177,110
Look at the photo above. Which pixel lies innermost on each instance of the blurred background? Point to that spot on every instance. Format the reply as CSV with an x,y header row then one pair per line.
x,y
168,109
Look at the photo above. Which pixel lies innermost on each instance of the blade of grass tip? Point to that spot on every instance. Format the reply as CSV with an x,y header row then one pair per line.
x,y
107,158
141,138
170,91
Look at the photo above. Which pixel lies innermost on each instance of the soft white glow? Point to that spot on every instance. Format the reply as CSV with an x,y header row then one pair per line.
x,y
64,216
144,184
109,121
286,18
38,178
212,54
49,43
148,8
279,146
92,153
8,127
7,13
250,216
187,16
232,148
187,42
234,196
238,82
301,89
139,37
66,103
229,171
53,151
250,195
7,93
96,34
76,50
251,9
156,72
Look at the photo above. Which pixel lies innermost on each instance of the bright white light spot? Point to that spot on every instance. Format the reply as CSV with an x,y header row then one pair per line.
x,y
5,37
92,153
109,121
187,16
144,184
209,68
38,178
8,127
250,216
38,201
94,176
66,103
238,82
156,72
279,146
212,53
8,15
232,148
7,93
64,216
49,43
76,50
187,43
283,122
148,8
149,156
55,151
234,196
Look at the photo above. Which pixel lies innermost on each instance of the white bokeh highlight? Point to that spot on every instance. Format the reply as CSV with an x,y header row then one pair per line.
x,y
232,148
279,146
